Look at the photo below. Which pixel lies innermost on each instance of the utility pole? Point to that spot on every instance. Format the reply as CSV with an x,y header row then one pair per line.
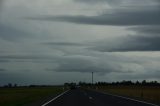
x,y
92,78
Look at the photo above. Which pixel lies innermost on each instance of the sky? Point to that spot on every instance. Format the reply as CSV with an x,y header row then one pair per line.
x,y
58,41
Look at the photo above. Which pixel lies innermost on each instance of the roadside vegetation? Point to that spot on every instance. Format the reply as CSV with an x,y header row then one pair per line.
x,y
20,96
145,91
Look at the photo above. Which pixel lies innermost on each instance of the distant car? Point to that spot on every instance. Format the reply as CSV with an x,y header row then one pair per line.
x,y
72,87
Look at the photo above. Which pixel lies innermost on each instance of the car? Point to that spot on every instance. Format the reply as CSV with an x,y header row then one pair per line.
x,y
73,87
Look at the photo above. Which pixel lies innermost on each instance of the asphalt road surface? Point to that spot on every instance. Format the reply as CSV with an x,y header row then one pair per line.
x,y
79,97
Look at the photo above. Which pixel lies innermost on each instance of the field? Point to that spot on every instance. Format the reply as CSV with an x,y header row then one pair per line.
x,y
26,95
146,93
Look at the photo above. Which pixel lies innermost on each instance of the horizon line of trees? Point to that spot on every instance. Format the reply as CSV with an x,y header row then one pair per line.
x,y
124,82
14,85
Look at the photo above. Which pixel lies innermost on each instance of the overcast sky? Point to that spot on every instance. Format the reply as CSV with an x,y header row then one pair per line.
x,y
58,41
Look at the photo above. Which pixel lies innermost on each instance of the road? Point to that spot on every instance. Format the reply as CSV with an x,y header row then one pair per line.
x,y
79,97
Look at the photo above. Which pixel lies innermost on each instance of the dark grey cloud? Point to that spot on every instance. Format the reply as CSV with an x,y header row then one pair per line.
x,y
130,43
146,38
78,64
12,34
1,70
143,43
141,76
63,44
88,64
3,61
24,78
118,18
146,29
99,1
119,2
23,57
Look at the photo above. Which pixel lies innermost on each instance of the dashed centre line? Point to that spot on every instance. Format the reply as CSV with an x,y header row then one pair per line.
x,y
90,98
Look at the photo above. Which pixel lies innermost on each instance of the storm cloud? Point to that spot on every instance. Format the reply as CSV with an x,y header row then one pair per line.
x,y
3,61
12,34
82,64
1,70
21,57
152,30
97,64
63,44
99,1
146,38
119,18
117,3
130,43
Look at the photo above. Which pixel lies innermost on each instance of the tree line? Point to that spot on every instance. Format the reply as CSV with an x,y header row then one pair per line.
x,y
118,83
138,83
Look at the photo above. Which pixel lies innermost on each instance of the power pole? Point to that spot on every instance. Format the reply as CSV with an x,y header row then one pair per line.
x,y
92,78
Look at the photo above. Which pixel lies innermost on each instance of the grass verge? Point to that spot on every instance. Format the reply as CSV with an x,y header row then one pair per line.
x,y
26,95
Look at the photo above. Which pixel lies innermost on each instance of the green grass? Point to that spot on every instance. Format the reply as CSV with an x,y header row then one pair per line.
x,y
23,96
146,93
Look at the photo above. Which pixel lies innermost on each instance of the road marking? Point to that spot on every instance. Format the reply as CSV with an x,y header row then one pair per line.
x,y
130,99
90,98
54,98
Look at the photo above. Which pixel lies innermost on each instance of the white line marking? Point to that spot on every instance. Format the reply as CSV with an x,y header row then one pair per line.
x,y
130,99
54,98
90,98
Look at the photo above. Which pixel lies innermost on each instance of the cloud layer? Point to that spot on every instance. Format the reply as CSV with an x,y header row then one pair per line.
x,y
57,41
120,18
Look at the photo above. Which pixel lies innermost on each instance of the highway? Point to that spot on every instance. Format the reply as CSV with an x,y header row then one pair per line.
x,y
80,97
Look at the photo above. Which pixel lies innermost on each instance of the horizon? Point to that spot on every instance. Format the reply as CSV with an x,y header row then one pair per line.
x,y
123,82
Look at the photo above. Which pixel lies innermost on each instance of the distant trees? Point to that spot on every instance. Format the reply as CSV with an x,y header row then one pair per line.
x,y
10,85
144,83
121,83
70,84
